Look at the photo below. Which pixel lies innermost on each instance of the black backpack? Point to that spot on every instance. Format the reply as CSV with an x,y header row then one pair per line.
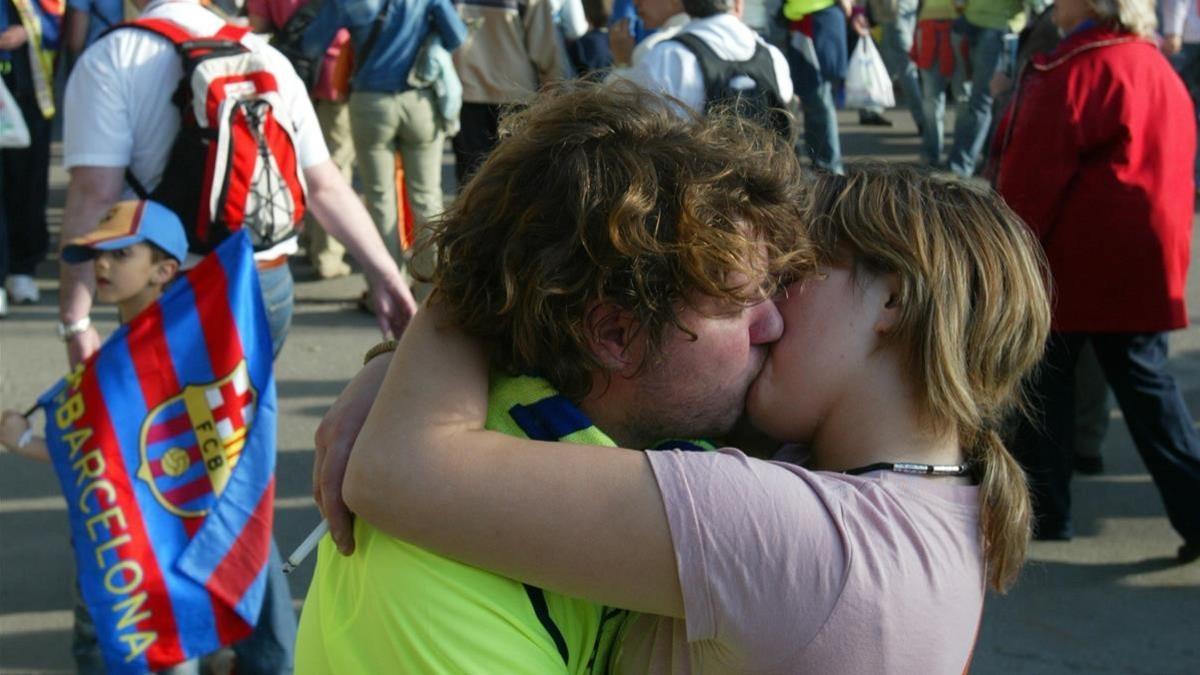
x,y
288,40
749,86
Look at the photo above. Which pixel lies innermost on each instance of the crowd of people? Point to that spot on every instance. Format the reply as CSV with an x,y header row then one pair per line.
x,y
632,270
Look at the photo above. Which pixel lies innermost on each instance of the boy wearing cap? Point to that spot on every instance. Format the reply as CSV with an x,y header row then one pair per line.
x,y
137,250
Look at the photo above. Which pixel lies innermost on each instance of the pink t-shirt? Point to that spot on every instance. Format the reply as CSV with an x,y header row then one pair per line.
x,y
786,570
278,12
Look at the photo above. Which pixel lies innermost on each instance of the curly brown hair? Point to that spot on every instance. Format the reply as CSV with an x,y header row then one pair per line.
x,y
607,193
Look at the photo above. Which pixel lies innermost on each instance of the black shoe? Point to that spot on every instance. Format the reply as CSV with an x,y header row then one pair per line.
x,y
1089,465
1053,532
1188,552
870,118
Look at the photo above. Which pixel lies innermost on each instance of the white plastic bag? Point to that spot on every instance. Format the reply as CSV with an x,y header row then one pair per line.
x,y
868,84
13,131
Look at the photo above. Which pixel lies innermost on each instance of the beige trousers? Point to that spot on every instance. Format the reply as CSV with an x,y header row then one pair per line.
x,y
384,124
324,252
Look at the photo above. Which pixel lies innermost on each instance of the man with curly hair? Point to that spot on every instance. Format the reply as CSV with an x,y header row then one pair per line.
x,y
606,247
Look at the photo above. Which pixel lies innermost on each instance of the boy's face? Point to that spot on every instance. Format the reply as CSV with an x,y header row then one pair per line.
x,y
124,273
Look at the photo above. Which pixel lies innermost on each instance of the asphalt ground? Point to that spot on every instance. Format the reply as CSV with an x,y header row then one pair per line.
x,y
1111,601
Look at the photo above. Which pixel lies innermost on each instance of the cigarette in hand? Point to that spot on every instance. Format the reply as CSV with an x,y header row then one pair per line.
x,y
306,547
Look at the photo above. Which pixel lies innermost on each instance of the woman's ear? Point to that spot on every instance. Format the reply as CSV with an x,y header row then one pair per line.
x,y
887,298
611,334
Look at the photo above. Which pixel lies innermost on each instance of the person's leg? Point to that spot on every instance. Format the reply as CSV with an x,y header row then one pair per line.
x,y
26,177
374,125
325,252
270,649
278,297
894,47
1043,443
421,141
1187,63
1091,412
85,646
821,141
1158,419
975,117
478,124
3,242
933,106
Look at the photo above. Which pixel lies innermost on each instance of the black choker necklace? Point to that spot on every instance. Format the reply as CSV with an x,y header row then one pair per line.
x,y
964,469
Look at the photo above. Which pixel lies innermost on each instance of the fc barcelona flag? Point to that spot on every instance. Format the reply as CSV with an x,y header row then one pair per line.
x,y
164,443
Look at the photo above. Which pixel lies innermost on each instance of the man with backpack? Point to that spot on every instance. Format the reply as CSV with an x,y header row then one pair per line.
x,y
328,81
235,145
388,115
718,60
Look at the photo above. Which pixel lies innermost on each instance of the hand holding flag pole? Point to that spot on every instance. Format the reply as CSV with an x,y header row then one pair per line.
x,y
27,435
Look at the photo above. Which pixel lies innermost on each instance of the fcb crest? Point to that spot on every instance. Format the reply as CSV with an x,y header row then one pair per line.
x,y
191,442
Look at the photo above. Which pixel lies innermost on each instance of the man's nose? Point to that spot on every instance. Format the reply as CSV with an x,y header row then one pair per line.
x,y
767,324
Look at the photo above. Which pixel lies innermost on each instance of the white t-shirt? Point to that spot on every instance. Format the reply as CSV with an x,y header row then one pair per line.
x,y
118,111
786,570
672,69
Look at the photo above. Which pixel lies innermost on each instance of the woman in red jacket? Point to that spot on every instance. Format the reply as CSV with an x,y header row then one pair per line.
x,y
1096,155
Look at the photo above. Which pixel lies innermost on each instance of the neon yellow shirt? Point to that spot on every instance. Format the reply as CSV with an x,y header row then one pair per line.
x,y
393,607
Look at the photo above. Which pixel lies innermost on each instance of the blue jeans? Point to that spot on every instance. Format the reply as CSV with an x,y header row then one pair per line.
x,y
933,103
270,649
1135,366
278,297
1187,63
815,90
894,47
984,46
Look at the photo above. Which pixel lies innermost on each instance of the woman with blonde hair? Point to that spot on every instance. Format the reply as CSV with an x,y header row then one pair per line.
x,y
900,356
1096,154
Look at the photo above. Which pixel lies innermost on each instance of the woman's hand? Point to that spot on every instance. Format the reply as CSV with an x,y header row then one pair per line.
x,y
333,442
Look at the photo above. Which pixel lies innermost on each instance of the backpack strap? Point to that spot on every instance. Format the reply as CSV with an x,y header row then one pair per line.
x,y
713,69
164,28
185,43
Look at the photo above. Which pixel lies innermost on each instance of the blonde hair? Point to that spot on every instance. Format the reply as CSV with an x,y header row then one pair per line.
x,y
975,315
1134,16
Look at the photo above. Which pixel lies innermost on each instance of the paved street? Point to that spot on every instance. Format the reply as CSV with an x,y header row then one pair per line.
x,y
1112,601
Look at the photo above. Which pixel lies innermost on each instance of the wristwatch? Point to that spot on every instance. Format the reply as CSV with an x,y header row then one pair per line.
x,y
66,331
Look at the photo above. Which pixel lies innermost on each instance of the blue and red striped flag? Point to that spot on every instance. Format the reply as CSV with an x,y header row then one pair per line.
x,y
164,443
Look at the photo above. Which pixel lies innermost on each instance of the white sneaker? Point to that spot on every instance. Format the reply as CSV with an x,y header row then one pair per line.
x,y
3,303
22,289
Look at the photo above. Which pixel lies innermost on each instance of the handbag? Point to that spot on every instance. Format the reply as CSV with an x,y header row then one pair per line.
x,y
14,133
868,84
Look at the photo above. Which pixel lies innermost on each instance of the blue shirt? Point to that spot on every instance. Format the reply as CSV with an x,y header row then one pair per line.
x,y
400,37
101,15
624,9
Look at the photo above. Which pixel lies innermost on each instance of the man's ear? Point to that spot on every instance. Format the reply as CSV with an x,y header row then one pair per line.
x,y
611,334
164,271
886,294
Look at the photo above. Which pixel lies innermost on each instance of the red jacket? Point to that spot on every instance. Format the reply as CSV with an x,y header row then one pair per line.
x,y
1096,155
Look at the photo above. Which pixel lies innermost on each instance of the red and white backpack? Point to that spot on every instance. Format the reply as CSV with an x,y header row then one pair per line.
x,y
233,163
